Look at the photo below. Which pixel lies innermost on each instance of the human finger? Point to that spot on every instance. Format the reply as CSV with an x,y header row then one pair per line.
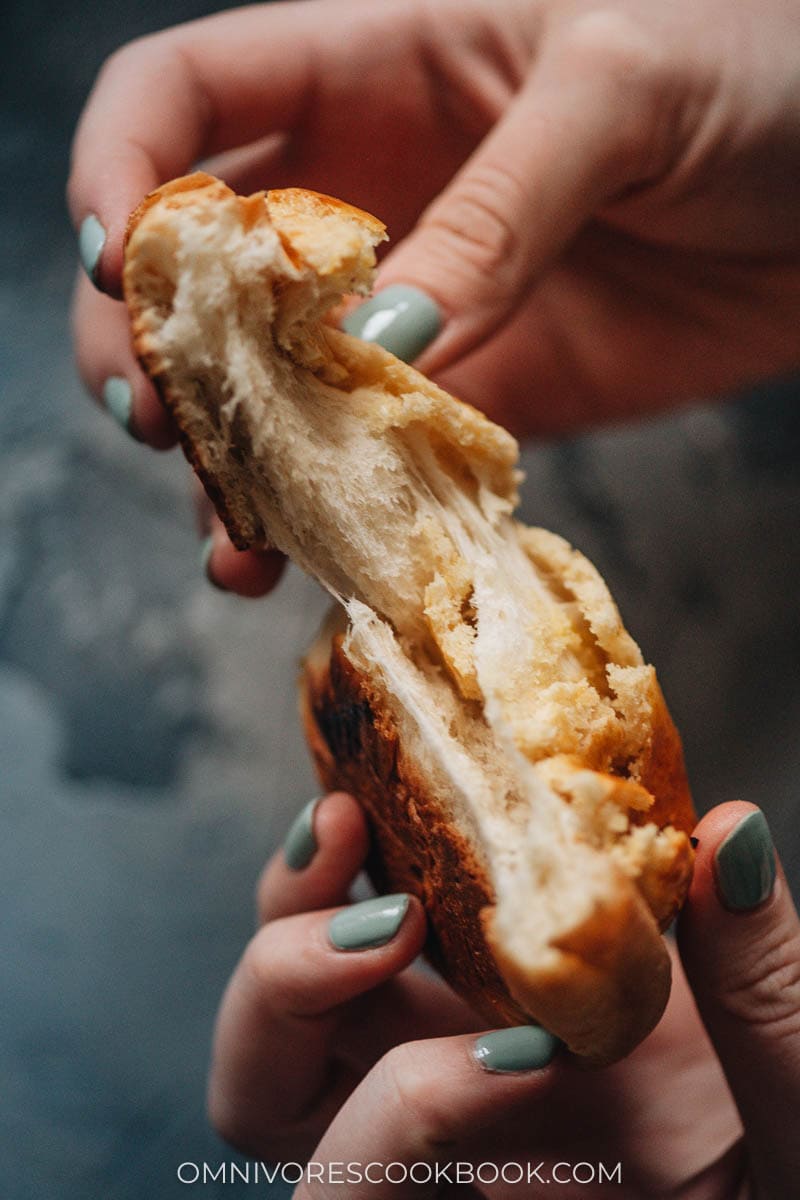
x,y
223,81
322,853
587,125
739,937
108,367
275,1069
251,573
124,147
421,1101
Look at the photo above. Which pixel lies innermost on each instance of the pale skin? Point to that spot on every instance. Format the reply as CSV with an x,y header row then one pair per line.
x,y
601,198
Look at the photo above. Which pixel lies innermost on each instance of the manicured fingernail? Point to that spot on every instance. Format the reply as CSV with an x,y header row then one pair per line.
x,y
91,239
370,923
695,842
301,845
118,399
206,550
402,319
523,1048
745,864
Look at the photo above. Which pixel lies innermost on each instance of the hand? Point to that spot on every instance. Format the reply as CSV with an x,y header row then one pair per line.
x,y
351,1055
592,201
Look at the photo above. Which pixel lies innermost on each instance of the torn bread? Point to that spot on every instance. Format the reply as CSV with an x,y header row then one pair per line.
x,y
474,688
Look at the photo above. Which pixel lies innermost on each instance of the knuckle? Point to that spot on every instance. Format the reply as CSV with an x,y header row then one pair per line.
x,y
765,992
122,64
259,963
414,1086
127,57
477,221
236,1123
615,44
224,1117
83,344
74,184
263,890
278,987
633,72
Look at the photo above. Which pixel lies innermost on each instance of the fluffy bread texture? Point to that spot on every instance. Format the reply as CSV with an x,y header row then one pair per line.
x,y
474,688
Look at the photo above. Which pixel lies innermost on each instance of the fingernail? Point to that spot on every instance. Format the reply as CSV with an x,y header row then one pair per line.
x,y
206,550
523,1048
118,399
370,923
91,239
745,864
402,319
694,842
301,845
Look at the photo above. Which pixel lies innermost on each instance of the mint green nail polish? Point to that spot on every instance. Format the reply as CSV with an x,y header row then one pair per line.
x,y
118,399
91,240
523,1048
301,845
368,924
745,864
402,319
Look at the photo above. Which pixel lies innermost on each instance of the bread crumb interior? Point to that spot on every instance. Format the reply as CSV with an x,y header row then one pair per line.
x,y
496,642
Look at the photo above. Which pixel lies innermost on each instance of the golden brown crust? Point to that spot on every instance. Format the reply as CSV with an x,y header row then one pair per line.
x,y
663,774
609,985
172,191
285,203
282,204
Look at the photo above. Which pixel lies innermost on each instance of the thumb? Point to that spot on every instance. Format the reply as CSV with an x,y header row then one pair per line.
x,y
427,1109
571,139
739,937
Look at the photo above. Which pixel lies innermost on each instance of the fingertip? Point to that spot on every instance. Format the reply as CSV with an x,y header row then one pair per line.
x,y
377,922
133,404
109,178
718,822
101,250
92,237
326,821
711,834
341,823
249,573
150,422
323,852
110,371
519,1049
337,838
404,319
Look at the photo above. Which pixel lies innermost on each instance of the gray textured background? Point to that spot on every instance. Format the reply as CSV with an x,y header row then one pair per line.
x,y
150,756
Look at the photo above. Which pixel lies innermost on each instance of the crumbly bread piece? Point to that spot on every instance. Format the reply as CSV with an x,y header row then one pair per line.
x,y
476,689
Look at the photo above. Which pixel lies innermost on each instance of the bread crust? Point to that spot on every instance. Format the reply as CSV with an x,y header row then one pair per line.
x,y
357,748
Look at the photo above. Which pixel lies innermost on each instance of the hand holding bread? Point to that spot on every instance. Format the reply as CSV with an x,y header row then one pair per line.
x,y
647,268
597,197
341,1055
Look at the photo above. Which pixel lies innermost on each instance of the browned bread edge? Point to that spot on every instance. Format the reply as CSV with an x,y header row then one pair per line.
x,y
613,980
